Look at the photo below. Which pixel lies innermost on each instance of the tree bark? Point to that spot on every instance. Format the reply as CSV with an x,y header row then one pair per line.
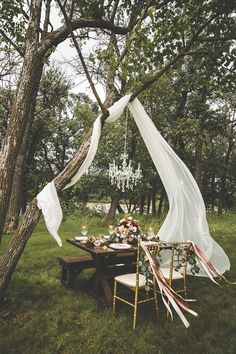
x,y
16,198
149,199
223,191
24,101
17,245
119,208
199,142
154,192
114,205
142,199
198,162
162,196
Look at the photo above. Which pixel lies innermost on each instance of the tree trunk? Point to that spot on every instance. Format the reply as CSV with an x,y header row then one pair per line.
x,y
119,208
154,192
162,196
114,204
149,198
15,200
17,245
17,185
223,191
135,204
142,199
198,162
212,189
24,101
199,142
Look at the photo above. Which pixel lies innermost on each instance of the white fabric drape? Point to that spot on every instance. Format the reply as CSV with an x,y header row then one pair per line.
x,y
48,201
186,219
97,126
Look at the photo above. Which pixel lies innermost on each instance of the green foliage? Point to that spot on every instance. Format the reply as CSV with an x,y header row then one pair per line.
x,y
13,21
41,316
165,32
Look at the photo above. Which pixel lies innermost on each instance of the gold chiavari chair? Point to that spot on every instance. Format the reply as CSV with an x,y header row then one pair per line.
x,y
137,284
178,266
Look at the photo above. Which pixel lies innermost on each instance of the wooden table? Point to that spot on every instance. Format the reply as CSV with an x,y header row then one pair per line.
x,y
103,259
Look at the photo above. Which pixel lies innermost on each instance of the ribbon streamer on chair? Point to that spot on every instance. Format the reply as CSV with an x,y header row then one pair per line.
x,y
206,264
175,299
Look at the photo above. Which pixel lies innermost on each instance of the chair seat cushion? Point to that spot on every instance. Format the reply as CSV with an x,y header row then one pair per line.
x,y
175,275
130,280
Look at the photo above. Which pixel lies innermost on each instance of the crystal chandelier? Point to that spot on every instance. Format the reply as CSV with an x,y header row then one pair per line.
x,y
124,177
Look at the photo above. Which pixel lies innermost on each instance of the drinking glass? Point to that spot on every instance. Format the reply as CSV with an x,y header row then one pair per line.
x,y
110,229
151,233
84,230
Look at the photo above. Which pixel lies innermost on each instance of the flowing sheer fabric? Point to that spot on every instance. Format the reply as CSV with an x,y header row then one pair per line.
x,y
48,201
186,219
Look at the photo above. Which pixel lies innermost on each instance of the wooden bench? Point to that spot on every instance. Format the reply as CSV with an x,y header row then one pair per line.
x,y
72,266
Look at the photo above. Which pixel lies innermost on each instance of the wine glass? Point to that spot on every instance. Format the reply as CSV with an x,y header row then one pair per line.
x,y
151,233
84,230
110,229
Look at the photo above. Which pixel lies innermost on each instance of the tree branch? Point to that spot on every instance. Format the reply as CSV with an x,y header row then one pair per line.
x,y
182,53
58,36
71,9
114,11
14,45
217,39
47,16
81,58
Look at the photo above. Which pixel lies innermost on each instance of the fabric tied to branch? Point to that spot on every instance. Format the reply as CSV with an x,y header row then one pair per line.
x,y
48,201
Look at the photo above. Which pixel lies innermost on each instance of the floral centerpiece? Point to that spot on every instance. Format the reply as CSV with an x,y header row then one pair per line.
x,y
127,231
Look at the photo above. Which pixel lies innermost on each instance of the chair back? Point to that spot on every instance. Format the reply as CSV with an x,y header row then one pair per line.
x,y
179,257
143,265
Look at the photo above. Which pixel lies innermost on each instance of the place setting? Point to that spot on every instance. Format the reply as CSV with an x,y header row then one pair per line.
x,y
125,235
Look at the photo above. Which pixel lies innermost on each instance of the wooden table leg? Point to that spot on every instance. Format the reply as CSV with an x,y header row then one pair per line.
x,y
101,282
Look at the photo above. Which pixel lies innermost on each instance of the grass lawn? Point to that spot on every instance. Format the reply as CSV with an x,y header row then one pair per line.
x,y
40,316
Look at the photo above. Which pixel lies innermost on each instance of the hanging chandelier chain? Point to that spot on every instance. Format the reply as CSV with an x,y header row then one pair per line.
x,y
126,130
124,176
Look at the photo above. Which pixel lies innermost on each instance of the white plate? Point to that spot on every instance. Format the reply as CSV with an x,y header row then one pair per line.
x,y
150,243
81,238
119,246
